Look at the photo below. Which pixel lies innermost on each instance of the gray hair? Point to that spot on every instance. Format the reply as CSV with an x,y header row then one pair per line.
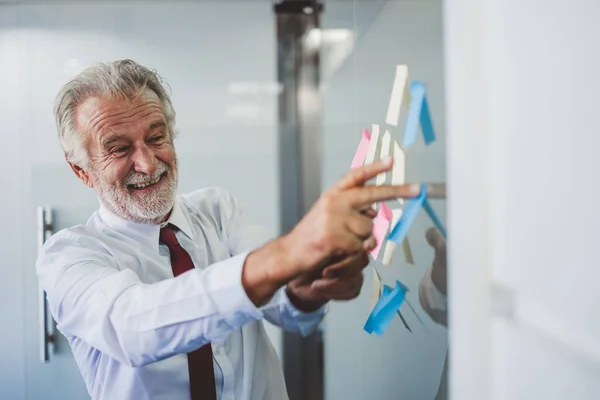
x,y
117,79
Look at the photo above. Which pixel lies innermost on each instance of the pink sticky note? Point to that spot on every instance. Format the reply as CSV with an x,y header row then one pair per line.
x,y
361,151
381,223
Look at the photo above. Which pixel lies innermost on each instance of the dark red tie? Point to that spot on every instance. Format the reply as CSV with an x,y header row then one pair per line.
x,y
200,361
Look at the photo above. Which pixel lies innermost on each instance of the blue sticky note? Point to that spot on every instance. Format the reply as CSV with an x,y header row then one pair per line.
x,y
385,309
426,123
433,217
379,305
409,214
402,286
418,115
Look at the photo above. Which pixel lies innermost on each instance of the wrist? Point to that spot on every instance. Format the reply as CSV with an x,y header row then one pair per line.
x,y
288,266
266,270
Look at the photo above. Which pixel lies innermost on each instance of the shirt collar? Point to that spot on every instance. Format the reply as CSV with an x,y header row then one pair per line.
x,y
179,219
147,234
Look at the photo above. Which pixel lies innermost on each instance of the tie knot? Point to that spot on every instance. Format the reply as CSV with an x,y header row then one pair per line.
x,y
167,236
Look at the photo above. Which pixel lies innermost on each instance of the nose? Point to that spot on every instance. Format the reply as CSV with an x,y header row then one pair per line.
x,y
144,160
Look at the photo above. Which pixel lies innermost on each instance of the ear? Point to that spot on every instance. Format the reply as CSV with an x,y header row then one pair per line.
x,y
81,173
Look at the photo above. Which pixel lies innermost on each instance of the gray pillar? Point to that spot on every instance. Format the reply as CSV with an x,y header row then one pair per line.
x,y
299,164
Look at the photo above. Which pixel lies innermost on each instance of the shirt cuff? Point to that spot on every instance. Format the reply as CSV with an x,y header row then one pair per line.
x,y
229,296
281,298
291,318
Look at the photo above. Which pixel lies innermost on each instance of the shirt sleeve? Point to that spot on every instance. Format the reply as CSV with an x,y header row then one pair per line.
x,y
432,300
136,323
243,236
281,312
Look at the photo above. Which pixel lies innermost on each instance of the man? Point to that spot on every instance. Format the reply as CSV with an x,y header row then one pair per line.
x,y
433,295
162,296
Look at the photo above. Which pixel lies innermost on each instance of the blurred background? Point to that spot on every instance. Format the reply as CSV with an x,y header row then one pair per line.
x,y
271,100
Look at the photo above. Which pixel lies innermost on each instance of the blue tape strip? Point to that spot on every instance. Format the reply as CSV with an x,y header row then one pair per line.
x,y
417,94
379,305
418,114
426,123
402,286
409,213
385,309
433,216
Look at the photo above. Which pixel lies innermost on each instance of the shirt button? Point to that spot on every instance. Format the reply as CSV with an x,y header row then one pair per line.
x,y
217,350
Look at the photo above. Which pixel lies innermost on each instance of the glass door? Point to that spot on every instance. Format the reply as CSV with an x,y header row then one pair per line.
x,y
219,60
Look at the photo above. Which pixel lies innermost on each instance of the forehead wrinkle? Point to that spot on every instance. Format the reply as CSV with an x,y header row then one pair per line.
x,y
98,122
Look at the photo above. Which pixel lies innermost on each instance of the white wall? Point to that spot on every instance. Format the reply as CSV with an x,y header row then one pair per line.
x,y
398,364
220,61
522,97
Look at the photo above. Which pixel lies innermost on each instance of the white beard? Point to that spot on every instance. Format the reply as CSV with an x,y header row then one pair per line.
x,y
151,208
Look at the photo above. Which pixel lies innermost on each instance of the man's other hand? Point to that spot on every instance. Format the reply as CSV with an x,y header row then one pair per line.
x,y
340,281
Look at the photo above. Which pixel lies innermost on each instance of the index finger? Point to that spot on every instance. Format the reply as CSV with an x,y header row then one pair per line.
x,y
366,195
359,176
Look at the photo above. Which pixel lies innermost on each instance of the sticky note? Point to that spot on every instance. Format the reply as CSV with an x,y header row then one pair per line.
x,y
386,290
433,217
385,309
418,115
399,167
411,209
390,246
381,223
399,92
386,142
408,256
376,294
372,150
361,151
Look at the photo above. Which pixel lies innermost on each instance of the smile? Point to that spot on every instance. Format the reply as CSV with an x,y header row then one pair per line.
x,y
144,185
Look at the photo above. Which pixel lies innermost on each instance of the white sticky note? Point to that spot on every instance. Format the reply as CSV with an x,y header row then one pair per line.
x,y
370,158
408,255
399,168
386,142
376,288
399,93
390,246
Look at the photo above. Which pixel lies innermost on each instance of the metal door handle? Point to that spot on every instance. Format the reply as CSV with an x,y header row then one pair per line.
x,y
46,324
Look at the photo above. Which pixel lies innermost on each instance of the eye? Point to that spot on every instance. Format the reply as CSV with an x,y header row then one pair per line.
x,y
119,151
157,138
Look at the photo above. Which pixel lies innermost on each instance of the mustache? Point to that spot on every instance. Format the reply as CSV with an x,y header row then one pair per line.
x,y
134,178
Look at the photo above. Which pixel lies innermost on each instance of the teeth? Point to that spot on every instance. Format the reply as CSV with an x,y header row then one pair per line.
x,y
142,185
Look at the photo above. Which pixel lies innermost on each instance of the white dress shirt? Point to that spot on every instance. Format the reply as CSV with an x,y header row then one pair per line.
x,y
435,303
130,323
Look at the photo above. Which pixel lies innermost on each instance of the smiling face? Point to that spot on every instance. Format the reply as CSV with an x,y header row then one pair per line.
x,y
132,161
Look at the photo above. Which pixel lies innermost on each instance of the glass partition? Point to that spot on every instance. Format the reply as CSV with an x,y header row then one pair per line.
x,y
363,42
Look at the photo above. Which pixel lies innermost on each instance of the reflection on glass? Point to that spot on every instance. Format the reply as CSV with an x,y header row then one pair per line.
x,y
359,72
